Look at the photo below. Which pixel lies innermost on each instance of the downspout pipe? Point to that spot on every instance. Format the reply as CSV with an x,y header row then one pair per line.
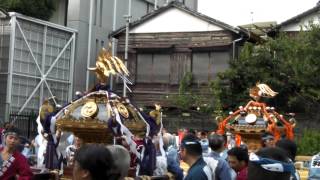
x,y
234,47
89,43
244,33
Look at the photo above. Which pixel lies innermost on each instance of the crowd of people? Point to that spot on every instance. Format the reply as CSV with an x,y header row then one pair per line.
x,y
207,155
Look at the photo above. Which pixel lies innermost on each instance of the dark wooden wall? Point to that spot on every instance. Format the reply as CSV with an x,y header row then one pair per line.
x,y
180,46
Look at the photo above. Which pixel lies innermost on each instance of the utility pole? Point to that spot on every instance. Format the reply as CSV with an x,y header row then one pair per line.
x,y
128,19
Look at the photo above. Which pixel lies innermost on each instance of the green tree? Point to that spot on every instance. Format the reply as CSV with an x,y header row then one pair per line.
x,y
184,99
289,64
188,99
42,9
308,143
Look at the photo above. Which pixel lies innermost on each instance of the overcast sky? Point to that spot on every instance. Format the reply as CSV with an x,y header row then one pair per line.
x,y
240,12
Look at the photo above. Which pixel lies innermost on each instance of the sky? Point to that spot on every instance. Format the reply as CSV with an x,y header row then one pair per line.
x,y
240,12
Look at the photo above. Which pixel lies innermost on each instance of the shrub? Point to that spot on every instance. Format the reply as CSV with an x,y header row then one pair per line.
x,y
308,143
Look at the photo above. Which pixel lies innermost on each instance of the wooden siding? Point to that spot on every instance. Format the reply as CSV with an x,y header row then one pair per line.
x,y
148,93
176,40
180,64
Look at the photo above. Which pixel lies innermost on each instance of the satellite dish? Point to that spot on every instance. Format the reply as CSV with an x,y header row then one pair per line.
x,y
251,118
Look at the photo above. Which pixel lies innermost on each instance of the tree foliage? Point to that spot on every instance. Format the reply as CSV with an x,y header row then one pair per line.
x,y
308,143
289,64
188,99
184,98
42,9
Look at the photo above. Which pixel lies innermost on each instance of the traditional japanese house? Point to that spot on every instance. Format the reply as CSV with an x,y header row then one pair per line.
x,y
166,44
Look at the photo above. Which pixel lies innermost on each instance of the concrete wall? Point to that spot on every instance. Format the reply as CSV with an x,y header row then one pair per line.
x,y
192,4
103,11
59,16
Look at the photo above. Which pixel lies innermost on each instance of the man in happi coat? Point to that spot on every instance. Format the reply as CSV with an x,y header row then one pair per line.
x,y
13,164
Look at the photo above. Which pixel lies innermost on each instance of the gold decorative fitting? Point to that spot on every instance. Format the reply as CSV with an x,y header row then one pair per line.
x,y
87,117
156,114
89,109
122,110
47,107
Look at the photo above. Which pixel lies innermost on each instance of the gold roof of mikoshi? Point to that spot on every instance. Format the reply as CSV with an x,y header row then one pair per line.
x,y
88,117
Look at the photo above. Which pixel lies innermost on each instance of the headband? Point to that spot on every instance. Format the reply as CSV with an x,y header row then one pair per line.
x,y
273,165
191,142
267,137
11,133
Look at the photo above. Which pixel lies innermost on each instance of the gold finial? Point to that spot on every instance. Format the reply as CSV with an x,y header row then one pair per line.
x,y
107,64
266,91
262,90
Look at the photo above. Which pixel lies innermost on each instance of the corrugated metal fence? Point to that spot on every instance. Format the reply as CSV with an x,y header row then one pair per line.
x,y
36,62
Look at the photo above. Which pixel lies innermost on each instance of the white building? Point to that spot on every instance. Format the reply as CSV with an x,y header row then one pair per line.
x,y
301,21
